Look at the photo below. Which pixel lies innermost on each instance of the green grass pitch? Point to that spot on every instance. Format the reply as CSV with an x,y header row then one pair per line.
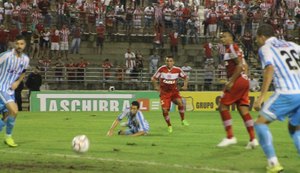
x,y
45,145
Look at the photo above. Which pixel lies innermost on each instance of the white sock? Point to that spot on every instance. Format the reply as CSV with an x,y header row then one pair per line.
x,y
273,161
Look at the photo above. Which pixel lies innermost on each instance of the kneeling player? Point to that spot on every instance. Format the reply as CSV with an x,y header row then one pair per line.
x,y
137,125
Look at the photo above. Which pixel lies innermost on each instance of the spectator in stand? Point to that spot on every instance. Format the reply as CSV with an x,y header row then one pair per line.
x,y
247,41
106,65
179,20
208,48
61,9
35,45
174,39
8,8
81,67
253,83
24,14
153,62
109,21
158,42
129,60
18,95
148,18
45,42
34,81
279,32
55,40
221,52
187,69
191,31
290,26
44,6
212,19
168,13
13,32
36,16
257,19
64,41
3,39
139,61
76,35
92,11
137,18
100,37
222,72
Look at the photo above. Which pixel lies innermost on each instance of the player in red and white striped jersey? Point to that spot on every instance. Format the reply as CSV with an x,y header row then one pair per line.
x,y
168,75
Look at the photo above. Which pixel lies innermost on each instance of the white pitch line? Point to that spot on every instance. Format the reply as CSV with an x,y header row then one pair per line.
x,y
128,161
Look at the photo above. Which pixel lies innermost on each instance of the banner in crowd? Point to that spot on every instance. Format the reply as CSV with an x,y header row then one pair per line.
x,y
115,101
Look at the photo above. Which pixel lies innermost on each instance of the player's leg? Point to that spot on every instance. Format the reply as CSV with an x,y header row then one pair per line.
x,y
165,101
227,122
249,124
10,123
280,106
179,103
294,129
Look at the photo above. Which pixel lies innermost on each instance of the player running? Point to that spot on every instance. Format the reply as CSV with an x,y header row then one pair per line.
x,y
167,76
137,125
281,63
13,65
236,91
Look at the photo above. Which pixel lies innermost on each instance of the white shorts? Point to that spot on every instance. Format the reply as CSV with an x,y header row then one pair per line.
x,y
212,27
54,46
64,46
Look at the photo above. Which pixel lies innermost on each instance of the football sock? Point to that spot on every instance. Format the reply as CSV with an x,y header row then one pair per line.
x,y
2,124
181,112
296,138
265,140
10,123
167,118
226,118
249,125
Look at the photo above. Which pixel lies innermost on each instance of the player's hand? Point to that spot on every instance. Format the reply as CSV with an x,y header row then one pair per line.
x,y
15,85
257,103
109,133
228,85
184,88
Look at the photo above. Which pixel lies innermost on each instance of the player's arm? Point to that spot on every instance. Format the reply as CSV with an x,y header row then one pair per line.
x,y
154,83
185,83
113,126
236,74
18,81
267,80
140,133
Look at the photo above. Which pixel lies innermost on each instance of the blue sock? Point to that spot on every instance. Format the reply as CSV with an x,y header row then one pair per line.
x,y
2,124
265,139
10,123
296,138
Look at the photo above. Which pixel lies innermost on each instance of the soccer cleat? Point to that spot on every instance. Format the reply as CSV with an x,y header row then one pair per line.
x,y
226,142
275,169
185,123
252,144
10,142
170,129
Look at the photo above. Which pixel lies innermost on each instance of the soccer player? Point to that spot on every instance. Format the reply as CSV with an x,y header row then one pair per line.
x,y
137,125
168,75
13,65
236,91
280,61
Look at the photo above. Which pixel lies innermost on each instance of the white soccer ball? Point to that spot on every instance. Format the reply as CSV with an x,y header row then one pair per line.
x,y
80,143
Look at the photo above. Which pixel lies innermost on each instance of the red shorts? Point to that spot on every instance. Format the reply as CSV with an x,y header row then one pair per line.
x,y
239,93
167,97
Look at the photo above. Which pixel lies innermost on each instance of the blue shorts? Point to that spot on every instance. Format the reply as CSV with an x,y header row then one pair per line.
x,y
280,106
4,99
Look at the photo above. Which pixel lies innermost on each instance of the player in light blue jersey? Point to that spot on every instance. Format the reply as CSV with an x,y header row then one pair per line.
x,y
137,125
281,63
13,65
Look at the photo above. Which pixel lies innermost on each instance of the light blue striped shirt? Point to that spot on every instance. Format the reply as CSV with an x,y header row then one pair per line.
x,y
284,57
135,122
11,67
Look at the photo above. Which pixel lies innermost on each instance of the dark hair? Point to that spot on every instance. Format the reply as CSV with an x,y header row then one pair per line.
x,y
20,37
135,103
265,30
230,32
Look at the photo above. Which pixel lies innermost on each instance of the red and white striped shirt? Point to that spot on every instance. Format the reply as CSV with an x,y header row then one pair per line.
x,y
64,34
